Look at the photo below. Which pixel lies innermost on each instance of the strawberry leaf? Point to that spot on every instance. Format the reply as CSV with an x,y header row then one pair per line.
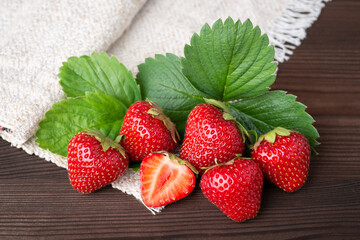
x,y
273,109
227,62
162,81
230,60
98,73
73,115
232,63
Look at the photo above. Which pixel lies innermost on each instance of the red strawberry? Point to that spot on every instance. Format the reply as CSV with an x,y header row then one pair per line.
x,y
234,187
146,129
165,178
209,136
94,161
284,157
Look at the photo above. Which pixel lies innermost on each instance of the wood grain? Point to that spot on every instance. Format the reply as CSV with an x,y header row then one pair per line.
x,y
37,201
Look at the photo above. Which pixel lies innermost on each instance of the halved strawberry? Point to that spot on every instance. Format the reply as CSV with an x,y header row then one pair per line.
x,y
165,178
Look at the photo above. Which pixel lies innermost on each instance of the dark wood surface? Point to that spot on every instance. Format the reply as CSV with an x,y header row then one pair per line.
x,y
37,201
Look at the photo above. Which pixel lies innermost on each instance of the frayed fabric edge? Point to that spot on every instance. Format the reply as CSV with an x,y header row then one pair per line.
x,y
290,28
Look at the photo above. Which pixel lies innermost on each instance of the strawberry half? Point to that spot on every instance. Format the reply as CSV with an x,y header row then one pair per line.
x,y
165,178
211,135
284,158
94,161
146,129
234,187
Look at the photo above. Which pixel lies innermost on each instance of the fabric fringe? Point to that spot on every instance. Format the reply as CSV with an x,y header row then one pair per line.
x,y
290,28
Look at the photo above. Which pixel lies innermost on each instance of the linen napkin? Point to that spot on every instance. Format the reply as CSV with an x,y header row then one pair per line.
x,y
38,35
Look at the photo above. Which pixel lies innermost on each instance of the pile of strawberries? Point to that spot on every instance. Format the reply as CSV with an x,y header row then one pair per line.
x,y
213,147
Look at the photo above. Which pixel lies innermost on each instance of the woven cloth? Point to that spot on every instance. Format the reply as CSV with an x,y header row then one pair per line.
x,y
38,35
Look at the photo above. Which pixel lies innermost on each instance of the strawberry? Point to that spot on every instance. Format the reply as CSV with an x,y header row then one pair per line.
x,y
94,161
234,187
146,129
284,157
165,178
211,134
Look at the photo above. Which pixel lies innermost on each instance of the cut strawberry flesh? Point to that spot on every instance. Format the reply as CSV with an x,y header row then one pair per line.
x,y
164,180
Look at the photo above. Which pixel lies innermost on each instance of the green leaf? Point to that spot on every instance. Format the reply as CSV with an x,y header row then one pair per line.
x,y
98,73
135,166
230,61
274,109
73,115
162,81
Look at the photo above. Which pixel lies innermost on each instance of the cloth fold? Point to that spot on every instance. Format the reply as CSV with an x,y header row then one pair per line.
x,y
37,36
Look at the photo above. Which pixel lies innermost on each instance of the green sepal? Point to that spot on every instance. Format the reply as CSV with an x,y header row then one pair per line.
x,y
218,104
157,112
230,162
118,138
106,142
244,133
271,136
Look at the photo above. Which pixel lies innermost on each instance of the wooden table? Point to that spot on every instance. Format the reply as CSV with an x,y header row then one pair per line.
x,y
37,201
